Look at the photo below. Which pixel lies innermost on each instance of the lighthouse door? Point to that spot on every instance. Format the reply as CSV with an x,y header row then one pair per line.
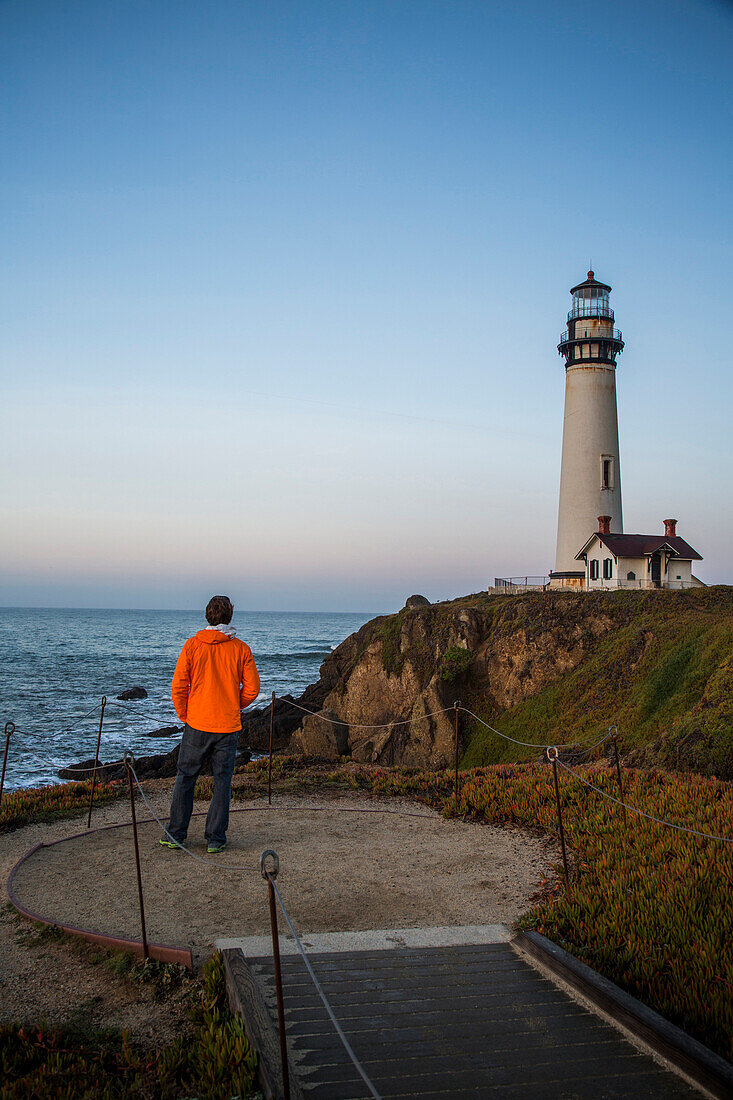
x,y
656,569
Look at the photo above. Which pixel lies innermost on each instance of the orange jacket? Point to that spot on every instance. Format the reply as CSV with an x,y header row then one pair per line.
x,y
215,678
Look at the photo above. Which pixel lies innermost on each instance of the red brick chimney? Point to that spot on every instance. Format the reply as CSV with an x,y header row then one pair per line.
x,y
670,528
604,525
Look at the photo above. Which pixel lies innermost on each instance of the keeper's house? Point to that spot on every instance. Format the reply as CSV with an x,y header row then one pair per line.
x,y
638,561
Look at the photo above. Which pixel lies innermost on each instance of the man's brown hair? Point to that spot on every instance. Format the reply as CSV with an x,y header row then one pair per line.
x,y
219,611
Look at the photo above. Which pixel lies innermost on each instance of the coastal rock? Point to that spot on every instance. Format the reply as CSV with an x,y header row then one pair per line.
x,y
388,691
166,731
323,736
136,692
159,766
417,601
391,687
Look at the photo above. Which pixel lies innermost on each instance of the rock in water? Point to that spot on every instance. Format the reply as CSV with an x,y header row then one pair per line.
x,y
417,601
165,731
136,692
161,766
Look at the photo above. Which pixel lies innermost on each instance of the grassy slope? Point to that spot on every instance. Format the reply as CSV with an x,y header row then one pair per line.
x,y
663,674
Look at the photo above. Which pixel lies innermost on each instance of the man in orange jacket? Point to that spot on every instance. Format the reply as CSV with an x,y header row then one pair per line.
x,y
214,680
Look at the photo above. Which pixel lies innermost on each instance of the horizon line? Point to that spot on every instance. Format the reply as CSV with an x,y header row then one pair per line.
x,y
182,610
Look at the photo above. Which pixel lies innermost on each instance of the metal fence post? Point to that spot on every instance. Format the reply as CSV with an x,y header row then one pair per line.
x,y
9,729
269,767
96,760
270,876
456,705
614,741
129,759
552,755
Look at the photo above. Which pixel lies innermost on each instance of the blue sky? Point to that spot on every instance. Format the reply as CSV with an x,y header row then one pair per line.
x,y
283,284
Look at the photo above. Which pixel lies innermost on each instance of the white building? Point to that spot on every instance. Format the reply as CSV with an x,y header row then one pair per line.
x,y
590,477
638,561
592,550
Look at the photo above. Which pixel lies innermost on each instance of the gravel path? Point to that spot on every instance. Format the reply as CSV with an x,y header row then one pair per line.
x,y
340,869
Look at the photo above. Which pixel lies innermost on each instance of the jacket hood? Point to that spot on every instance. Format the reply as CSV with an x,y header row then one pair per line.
x,y
212,637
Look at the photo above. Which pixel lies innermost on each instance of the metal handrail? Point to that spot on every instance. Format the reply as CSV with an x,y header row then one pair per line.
x,y
614,334
511,582
592,308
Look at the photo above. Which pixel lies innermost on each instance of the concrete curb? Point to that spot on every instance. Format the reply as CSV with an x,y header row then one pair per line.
x,y
381,939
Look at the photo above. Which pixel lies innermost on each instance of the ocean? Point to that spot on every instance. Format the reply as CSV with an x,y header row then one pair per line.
x,y
56,664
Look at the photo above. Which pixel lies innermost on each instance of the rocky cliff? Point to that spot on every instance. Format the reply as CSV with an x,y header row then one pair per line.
x,y
542,667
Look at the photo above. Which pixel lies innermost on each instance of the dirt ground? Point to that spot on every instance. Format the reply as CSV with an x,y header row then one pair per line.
x,y
347,862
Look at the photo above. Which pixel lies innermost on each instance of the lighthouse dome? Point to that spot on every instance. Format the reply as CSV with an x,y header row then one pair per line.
x,y
590,299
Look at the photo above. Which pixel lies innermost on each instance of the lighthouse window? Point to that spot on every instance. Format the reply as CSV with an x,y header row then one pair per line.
x,y
591,301
606,472
594,570
607,569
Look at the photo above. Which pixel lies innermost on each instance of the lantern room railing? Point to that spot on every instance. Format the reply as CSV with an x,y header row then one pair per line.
x,y
594,307
592,337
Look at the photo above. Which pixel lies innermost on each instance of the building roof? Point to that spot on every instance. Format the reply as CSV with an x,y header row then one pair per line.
x,y
639,546
590,281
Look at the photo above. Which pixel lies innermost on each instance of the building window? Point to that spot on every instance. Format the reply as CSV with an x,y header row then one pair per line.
x,y
631,575
607,569
594,570
606,472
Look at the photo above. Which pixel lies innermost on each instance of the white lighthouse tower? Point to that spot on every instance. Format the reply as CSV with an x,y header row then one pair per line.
x,y
590,477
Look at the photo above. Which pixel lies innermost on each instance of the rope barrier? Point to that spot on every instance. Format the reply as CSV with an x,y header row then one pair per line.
x,y
66,729
140,713
330,721
355,725
360,725
536,744
70,767
641,813
347,1046
72,729
435,713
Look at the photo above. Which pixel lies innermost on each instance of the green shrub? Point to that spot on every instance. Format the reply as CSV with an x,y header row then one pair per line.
x,y
390,631
455,664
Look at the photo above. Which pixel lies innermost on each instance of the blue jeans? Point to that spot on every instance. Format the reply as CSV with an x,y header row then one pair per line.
x,y
196,748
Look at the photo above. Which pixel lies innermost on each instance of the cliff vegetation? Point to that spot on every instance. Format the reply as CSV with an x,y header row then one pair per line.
x,y
541,667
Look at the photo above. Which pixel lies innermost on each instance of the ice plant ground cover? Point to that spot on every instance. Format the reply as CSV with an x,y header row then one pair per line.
x,y
650,905
53,802
87,1063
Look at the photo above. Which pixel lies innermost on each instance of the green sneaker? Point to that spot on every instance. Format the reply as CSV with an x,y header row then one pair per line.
x,y
214,849
170,843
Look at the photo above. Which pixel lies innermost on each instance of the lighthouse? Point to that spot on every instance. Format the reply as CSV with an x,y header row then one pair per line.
x,y
590,475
